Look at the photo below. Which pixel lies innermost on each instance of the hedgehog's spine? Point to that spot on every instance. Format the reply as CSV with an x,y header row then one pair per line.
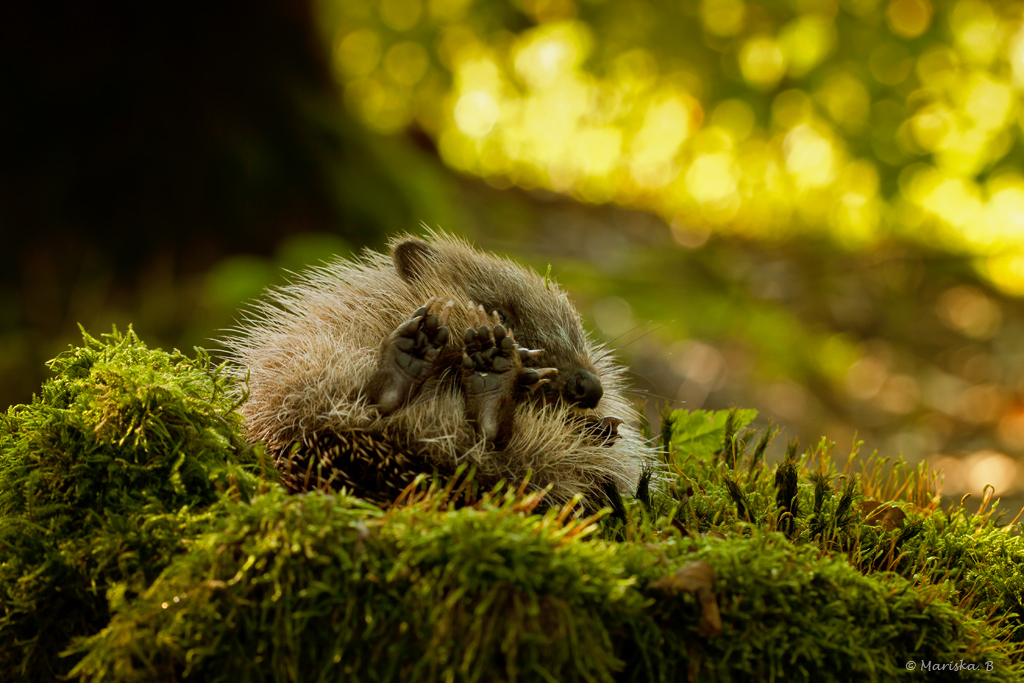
x,y
375,465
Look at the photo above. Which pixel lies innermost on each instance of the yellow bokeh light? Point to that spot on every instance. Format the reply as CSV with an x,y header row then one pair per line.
x,y
456,149
791,108
666,125
951,199
479,73
976,30
1005,270
550,52
806,41
1005,210
1015,55
809,156
995,469
762,62
933,125
448,10
400,15
406,62
456,44
988,102
711,178
476,112
857,214
598,150
963,152
736,117
846,100
909,18
856,218
890,63
634,69
938,66
723,17
931,96
358,53
860,177
551,117
710,140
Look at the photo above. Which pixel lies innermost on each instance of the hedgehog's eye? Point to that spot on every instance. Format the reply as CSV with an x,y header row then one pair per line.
x,y
507,319
503,315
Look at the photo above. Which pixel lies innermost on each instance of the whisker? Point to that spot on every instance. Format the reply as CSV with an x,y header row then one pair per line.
x,y
654,395
632,329
643,335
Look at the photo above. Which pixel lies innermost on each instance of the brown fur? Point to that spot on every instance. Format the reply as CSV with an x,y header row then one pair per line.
x,y
309,350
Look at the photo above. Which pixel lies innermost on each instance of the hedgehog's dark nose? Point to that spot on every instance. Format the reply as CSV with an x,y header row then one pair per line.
x,y
583,388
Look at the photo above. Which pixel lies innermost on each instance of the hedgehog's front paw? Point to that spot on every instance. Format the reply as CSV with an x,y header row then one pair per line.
x,y
409,356
492,365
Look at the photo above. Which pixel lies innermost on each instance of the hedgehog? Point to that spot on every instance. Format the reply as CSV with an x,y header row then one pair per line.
x,y
356,380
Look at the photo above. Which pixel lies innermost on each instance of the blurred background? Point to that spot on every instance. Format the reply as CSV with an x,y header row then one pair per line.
x,y
814,208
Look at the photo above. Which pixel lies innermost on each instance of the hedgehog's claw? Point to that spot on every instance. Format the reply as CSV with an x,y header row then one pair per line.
x,y
604,428
611,423
445,312
424,309
527,354
537,385
533,378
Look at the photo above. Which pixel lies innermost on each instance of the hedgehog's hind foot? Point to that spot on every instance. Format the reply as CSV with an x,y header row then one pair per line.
x,y
410,356
492,370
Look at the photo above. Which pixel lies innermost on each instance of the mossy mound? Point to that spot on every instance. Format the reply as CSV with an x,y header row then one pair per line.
x,y
316,587
103,477
982,559
882,517
140,541
319,588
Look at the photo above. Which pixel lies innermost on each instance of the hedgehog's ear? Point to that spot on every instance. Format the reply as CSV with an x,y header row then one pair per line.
x,y
411,256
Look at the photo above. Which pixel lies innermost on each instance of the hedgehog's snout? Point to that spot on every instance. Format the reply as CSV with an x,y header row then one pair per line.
x,y
583,389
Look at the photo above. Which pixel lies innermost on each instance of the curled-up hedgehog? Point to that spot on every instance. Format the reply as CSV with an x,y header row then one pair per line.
x,y
364,374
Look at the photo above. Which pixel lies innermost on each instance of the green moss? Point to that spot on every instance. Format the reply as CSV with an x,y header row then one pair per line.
x,y
139,543
791,614
318,588
102,479
982,559
973,557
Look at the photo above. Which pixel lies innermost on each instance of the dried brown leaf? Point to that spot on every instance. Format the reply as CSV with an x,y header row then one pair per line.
x,y
698,578
880,514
